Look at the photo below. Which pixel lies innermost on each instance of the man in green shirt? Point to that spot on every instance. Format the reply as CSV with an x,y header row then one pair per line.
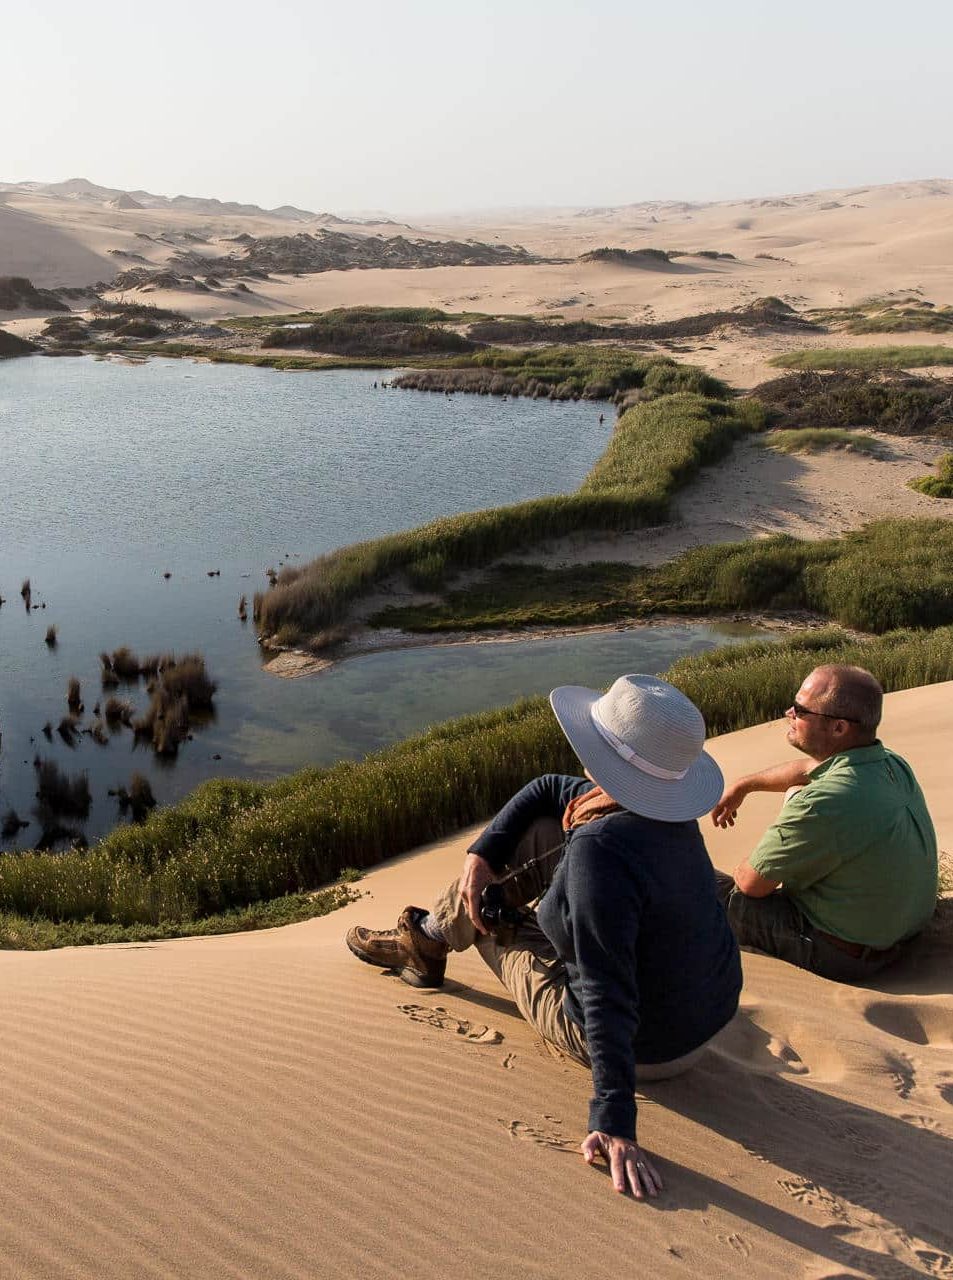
x,y
848,872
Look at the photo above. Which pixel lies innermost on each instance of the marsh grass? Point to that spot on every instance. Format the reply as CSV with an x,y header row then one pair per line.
x,y
123,662
137,799
940,484
815,439
118,711
234,845
893,573
561,373
73,696
866,358
655,448
61,794
38,934
187,678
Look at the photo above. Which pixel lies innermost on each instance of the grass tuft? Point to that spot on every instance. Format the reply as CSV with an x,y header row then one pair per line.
x,y
939,485
814,439
867,358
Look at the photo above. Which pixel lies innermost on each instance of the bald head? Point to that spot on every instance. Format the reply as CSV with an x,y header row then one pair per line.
x,y
852,693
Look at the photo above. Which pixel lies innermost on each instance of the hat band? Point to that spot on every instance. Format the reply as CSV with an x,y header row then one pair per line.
x,y
626,752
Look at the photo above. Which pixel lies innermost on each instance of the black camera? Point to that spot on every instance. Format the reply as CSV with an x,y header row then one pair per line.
x,y
495,912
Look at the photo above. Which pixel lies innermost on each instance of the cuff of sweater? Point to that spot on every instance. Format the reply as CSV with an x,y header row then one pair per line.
x,y
615,1116
496,848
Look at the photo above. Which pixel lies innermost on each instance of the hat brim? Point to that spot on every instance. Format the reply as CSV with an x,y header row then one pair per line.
x,y
677,800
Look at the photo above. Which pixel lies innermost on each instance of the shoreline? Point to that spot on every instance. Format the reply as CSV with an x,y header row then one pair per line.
x,y
293,663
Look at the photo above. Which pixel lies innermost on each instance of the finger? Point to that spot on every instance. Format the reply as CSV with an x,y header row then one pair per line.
x,y
617,1167
472,902
651,1178
633,1170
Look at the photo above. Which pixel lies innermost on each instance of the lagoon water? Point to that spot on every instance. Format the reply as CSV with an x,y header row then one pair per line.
x,y
117,473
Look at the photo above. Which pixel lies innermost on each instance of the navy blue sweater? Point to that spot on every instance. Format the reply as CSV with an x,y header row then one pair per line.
x,y
652,965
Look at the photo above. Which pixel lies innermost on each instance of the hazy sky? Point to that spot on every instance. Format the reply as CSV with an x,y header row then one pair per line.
x,y
423,106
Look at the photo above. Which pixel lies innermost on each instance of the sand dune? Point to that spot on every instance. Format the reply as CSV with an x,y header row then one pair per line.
x,y
262,1105
826,248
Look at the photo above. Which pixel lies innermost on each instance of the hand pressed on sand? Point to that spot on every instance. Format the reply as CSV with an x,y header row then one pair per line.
x,y
629,1166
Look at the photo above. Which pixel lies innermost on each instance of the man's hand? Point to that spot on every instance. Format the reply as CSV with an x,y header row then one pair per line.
x,y
726,810
477,874
629,1165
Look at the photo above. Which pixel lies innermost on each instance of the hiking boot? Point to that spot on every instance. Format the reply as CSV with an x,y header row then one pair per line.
x,y
418,959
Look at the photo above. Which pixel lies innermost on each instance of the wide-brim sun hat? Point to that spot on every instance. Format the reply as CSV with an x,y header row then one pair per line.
x,y
643,743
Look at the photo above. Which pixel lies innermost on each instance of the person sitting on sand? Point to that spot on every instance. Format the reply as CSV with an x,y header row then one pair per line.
x,y
847,874
628,964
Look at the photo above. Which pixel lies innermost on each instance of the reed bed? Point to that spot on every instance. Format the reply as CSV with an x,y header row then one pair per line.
x,y
656,447
890,574
231,844
561,373
868,358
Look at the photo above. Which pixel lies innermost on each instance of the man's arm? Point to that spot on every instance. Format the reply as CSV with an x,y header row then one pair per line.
x,y
780,777
752,883
544,797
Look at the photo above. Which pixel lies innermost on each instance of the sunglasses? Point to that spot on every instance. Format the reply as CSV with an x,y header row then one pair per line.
x,y
801,712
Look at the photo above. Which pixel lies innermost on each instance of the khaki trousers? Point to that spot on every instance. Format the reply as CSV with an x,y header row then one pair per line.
x,y
529,967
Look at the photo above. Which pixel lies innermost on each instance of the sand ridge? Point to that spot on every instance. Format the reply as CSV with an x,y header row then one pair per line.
x,y
263,1105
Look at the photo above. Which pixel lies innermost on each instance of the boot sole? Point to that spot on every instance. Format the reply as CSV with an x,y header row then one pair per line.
x,y
410,976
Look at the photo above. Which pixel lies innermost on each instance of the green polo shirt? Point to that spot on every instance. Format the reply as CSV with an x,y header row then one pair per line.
x,y
855,848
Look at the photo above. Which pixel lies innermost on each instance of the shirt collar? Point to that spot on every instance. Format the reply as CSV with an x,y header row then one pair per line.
x,y
853,755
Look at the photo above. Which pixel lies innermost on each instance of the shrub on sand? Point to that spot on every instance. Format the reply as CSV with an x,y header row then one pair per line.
x,y
939,485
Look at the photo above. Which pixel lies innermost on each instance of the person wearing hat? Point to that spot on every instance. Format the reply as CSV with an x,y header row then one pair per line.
x,y
628,964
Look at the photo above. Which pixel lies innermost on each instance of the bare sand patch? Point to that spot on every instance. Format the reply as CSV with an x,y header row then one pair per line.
x,y
263,1105
757,491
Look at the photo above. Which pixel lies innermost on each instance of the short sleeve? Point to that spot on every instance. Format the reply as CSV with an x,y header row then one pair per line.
x,y
803,846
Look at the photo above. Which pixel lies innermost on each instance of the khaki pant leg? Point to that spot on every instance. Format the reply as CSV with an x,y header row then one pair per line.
x,y
535,977
449,909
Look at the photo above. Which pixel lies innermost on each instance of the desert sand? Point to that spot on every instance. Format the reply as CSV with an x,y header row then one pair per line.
x,y
262,1105
825,248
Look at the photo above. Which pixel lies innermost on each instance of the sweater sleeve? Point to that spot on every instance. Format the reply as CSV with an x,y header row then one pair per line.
x,y
544,797
605,909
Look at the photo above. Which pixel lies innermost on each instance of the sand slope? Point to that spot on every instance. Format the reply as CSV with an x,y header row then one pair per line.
x,y
264,1106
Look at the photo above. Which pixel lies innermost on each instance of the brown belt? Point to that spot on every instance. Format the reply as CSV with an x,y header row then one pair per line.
x,y
857,950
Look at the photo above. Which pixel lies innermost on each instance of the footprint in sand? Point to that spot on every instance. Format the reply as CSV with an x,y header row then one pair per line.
x,y
946,1093
737,1242
922,1122
754,1040
443,1020
509,1062
903,1074
857,1191
815,1196
549,1137
920,1023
